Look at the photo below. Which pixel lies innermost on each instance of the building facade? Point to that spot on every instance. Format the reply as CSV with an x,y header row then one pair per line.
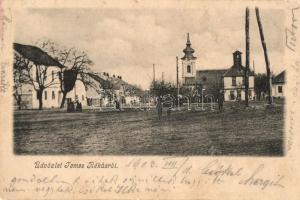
x,y
278,85
52,95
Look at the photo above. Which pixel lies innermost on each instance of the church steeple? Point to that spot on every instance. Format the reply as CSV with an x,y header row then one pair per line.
x,y
188,51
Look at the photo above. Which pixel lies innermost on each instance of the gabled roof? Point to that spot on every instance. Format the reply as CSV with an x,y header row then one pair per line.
x,y
237,71
280,78
36,55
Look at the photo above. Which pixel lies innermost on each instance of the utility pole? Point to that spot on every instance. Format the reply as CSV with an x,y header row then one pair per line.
x,y
177,81
246,75
270,100
153,73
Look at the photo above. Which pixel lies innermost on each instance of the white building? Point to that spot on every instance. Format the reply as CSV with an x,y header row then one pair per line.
x,y
278,85
52,95
234,83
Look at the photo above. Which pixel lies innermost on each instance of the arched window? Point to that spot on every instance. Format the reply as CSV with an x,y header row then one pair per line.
x,y
188,69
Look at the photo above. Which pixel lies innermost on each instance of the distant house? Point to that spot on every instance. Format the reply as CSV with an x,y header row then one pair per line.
x,y
210,82
111,89
278,85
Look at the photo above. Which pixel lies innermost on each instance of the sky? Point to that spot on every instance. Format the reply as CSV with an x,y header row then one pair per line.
x,y
128,42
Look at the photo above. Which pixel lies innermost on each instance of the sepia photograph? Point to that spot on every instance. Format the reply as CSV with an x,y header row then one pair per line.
x,y
196,82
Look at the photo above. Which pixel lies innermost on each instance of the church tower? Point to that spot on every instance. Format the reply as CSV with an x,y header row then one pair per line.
x,y
188,64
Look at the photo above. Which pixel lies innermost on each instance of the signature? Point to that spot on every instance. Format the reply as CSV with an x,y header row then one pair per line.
x,y
291,38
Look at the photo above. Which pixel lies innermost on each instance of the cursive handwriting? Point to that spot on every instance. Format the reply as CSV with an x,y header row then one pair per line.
x,y
290,33
162,176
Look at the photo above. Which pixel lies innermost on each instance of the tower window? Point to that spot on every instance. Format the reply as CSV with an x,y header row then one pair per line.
x,y
188,69
233,81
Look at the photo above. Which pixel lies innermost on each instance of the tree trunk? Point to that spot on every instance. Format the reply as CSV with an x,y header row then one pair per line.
x,y
40,98
62,105
270,100
246,76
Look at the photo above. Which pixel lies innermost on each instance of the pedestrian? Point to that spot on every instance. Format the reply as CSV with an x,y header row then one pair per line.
x,y
118,107
220,100
169,113
159,108
72,106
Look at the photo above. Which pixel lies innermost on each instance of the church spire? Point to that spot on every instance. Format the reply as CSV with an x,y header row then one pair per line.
x,y
188,42
188,51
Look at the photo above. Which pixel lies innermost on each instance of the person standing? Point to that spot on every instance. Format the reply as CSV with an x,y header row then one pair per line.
x,y
159,108
221,100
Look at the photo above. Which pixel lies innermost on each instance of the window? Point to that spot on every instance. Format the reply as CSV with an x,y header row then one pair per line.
x,y
188,69
53,75
53,95
233,81
250,93
231,95
82,97
45,95
280,89
239,94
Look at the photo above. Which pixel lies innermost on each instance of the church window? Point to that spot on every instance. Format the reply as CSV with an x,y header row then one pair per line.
x,y
188,69
53,73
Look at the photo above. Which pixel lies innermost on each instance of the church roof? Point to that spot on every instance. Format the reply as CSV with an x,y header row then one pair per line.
x,y
188,51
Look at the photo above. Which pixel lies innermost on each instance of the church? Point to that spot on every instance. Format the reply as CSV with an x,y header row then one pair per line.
x,y
230,79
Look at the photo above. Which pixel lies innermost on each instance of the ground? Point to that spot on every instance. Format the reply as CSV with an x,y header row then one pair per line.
x,y
235,131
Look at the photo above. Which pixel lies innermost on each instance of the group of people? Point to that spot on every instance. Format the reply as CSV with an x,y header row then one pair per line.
x,y
74,106
159,105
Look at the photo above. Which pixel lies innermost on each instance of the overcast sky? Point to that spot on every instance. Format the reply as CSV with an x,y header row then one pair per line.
x,y
128,42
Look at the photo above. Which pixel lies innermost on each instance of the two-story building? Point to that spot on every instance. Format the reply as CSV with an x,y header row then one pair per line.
x,y
234,82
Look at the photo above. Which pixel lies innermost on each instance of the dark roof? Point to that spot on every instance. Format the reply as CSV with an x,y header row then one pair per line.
x,y
188,51
36,55
212,71
237,52
280,78
237,71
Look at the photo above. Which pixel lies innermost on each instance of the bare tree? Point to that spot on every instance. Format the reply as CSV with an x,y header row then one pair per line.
x,y
76,66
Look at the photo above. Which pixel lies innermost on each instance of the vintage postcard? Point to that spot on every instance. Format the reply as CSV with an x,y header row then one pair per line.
x,y
149,99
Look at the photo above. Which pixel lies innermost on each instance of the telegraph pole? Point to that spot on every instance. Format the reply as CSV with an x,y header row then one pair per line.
x,y
246,76
153,73
177,81
266,56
